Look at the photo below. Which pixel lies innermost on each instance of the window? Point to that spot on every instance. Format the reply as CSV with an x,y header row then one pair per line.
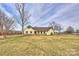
x,y
26,31
30,31
35,32
44,32
41,32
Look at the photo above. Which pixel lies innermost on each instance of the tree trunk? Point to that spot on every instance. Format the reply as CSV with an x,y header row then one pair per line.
x,y
2,32
22,29
23,20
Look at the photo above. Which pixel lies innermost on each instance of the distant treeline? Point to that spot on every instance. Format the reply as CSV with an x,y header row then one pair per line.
x,y
11,33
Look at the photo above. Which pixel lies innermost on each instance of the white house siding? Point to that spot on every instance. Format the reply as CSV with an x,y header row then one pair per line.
x,y
43,33
50,32
29,30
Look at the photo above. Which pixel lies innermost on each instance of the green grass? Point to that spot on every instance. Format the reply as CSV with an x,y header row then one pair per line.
x,y
56,45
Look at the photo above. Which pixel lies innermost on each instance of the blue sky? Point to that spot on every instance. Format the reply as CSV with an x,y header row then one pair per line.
x,y
42,14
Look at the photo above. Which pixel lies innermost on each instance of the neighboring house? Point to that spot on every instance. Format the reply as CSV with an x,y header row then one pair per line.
x,y
38,31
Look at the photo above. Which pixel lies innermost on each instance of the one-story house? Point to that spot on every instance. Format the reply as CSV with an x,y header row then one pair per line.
x,y
39,31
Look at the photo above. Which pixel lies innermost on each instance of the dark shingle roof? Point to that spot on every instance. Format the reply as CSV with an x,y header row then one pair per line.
x,y
41,28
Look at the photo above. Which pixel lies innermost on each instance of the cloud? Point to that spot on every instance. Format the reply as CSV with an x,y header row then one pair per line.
x,y
7,13
60,12
42,14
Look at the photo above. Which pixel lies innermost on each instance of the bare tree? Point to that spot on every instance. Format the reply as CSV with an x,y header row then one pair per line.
x,y
24,15
6,23
52,24
9,24
70,29
58,27
1,21
77,31
55,26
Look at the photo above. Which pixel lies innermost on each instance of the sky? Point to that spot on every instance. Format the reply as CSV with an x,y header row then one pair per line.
x,y
65,14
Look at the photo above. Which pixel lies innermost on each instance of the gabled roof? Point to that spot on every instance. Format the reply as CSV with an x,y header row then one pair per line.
x,y
41,28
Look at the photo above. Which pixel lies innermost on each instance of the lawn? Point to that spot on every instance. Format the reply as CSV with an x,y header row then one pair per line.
x,y
56,45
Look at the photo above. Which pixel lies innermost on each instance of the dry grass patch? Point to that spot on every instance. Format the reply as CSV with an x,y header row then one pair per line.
x,y
61,45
